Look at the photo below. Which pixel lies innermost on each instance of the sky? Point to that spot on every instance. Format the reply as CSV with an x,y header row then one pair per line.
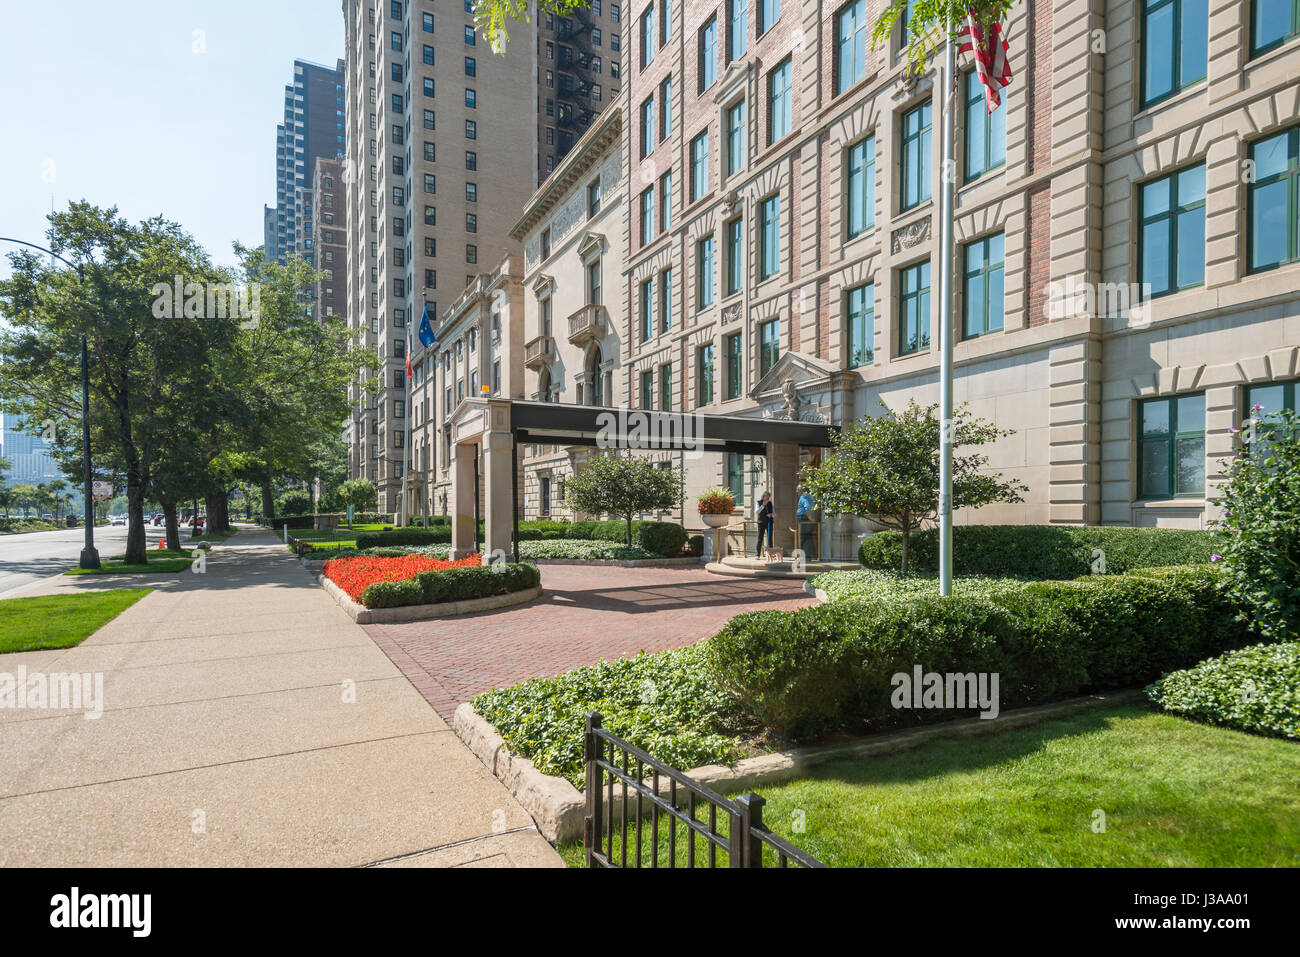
x,y
125,104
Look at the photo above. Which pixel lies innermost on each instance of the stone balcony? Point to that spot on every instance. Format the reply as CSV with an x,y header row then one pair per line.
x,y
587,324
539,352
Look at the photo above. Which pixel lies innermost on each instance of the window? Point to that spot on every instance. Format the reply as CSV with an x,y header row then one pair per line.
x,y
1175,45
735,366
708,43
982,291
471,99
780,116
593,199
914,309
430,120
427,83
471,192
666,300
666,108
647,36
704,272
666,201
735,256
471,129
736,477
666,388
546,316
699,166
1273,23
860,326
427,22
647,215
704,375
430,183
1271,398
593,283
735,138
665,21
395,41
860,194
1274,201
469,36
431,215
916,156
471,253
471,160
1171,451
769,349
648,389
1171,253
647,315
850,45
430,152
737,29
546,243
986,133
614,12
647,126
471,66
428,55
770,237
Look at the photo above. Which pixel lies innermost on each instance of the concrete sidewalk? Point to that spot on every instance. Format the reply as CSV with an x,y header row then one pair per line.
x,y
247,722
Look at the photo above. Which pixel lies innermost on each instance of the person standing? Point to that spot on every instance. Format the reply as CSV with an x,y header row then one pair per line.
x,y
765,513
804,522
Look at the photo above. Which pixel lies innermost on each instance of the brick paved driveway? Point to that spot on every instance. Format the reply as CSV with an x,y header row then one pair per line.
x,y
588,613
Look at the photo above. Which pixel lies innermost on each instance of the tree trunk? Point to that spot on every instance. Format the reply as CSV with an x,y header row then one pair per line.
x,y
907,541
171,526
629,529
136,547
218,512
268,504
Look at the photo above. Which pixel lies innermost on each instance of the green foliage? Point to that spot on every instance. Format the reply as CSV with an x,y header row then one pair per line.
x,y
664,703
580,550
887,467
451,585
293,504
361,494
397,594
1042,551
492,18
60,621
623,486
661,538
1261,521
808,672
404,536
1255,689
931,23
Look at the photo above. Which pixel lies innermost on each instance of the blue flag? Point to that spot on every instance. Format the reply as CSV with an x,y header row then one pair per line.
x,y
427,338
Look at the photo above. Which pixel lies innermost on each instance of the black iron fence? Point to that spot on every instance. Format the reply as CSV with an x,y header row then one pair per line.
x,y
643,813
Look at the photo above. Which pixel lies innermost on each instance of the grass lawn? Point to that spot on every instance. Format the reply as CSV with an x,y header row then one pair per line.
x,y
162,561
60,621
1174,793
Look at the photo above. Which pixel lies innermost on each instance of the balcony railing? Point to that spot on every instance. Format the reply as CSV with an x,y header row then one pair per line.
x,y
539,352
586,324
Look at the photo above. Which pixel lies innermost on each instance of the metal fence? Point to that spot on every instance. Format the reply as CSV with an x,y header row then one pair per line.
x,y
643,811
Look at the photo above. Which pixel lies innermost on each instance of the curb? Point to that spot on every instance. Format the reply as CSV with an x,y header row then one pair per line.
x,y
393,616
615,563
555,805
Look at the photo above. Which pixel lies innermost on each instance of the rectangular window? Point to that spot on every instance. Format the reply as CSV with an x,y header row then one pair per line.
x,y
770,237
648,389
647,215
647,36
986,133
471,66
666,201
850,45
665,21
860,325
666,300
699,166
916,156
982,291
860,194
1171,453
647,126
735,256
914,309
665,388
430,183
1273,23
1171,253
769,349
704,272
737,29
647,311
780,101
736,477
469,36
1273,201
471,129
471,160
704,375
769,11
428,86
593,199
665,108
430,120
593,283
471,223
735,366
428,55
1271,399
735,138
471,99
708,43
1175,46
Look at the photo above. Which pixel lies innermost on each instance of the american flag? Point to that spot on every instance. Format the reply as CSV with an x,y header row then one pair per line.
x,y
991,64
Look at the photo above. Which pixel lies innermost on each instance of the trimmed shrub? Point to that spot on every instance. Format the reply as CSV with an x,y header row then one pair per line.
x,y
1255,689
393,594
1058,552
463,584
404,536
662,538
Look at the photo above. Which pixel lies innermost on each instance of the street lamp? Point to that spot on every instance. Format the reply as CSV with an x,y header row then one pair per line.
x,y
89,554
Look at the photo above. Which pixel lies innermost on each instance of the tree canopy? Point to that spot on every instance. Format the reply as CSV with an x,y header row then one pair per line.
x,y
623,486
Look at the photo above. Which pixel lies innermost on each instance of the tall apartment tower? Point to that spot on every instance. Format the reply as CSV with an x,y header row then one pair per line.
x,y
438,167
313,127
329,242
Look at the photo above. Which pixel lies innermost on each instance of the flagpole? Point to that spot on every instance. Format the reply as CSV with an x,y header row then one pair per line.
x,y
946,436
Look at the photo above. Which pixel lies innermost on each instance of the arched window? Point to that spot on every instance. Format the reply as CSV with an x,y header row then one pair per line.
x,y
596,389
544,386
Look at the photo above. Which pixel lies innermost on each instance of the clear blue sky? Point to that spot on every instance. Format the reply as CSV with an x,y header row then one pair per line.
x,y
116,98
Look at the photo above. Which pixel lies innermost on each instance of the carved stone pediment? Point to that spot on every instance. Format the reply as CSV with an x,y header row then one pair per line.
x,y
791,388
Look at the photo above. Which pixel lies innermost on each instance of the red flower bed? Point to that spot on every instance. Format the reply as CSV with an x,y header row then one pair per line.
x,y
355,575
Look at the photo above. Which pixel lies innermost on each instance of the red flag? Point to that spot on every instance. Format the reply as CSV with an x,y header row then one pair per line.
x,y
408,358
991,63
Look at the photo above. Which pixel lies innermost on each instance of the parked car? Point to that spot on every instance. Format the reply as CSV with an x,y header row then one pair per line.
x,y
159,519
117,520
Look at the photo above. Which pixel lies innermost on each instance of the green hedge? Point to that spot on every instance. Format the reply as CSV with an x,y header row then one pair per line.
x,y
805,673
663,538
658,538
1255,689
404,536
452,584
1058,552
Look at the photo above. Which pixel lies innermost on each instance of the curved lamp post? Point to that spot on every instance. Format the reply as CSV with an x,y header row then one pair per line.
x,y
89,554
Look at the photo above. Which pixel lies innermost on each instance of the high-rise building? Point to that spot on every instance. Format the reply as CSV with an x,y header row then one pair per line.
x,y
313,128
29,460
328,244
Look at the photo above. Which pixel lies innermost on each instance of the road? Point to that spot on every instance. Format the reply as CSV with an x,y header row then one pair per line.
x,y
25,559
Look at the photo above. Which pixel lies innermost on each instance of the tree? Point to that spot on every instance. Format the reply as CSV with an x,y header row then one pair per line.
x,y
492,17
887,468
361,494
623,486
930,23
1261,522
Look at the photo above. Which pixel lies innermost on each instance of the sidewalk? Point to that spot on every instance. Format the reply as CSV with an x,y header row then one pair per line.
x,y
229,739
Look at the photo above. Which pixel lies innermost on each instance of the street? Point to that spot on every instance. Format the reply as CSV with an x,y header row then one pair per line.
x,y
25,559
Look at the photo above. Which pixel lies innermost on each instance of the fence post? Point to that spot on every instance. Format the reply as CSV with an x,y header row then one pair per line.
x,y
592,835
751,820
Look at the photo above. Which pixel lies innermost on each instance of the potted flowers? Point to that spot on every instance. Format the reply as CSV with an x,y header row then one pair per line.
x,y
716,506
